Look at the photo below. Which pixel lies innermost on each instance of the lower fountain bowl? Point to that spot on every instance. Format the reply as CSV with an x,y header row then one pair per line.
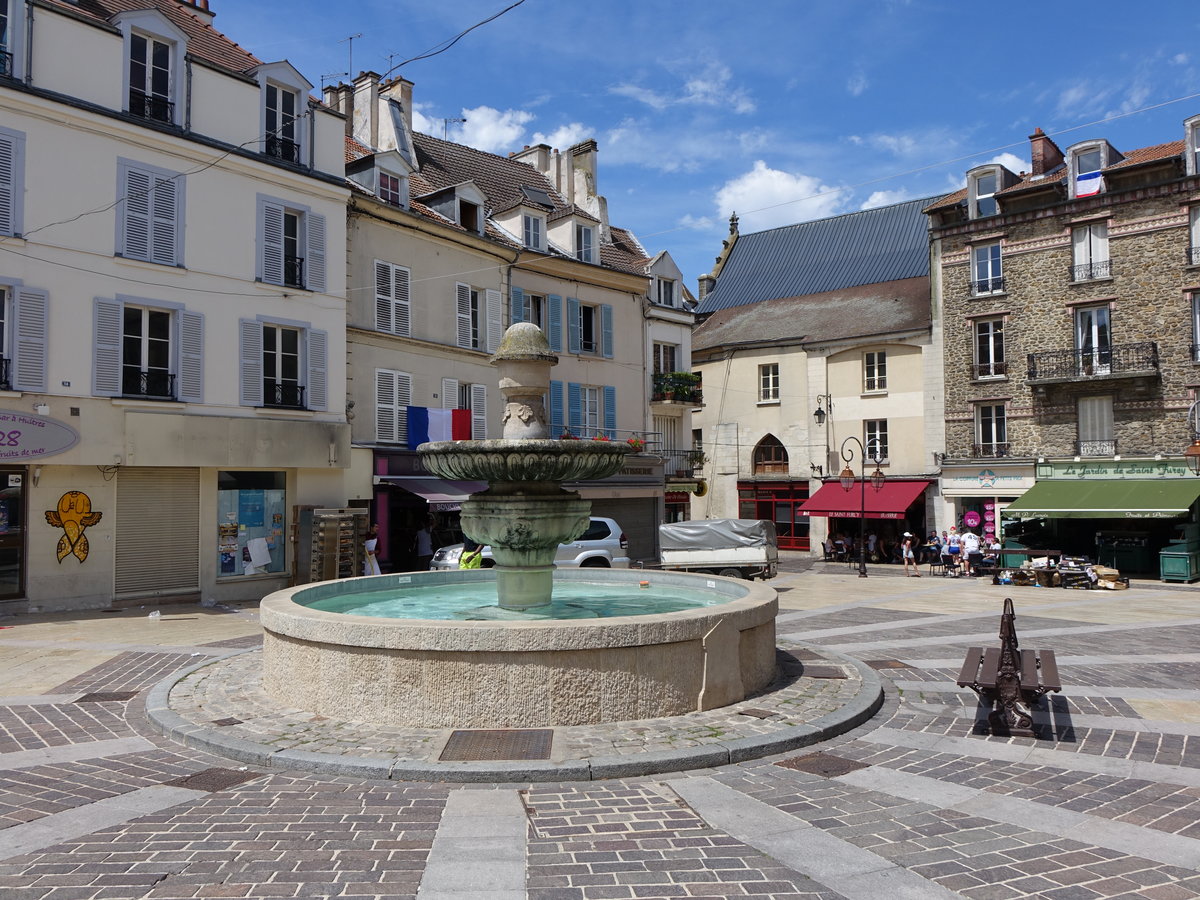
x,y
518,674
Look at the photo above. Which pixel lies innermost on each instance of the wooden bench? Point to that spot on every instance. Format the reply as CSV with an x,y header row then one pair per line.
x,y
1009,680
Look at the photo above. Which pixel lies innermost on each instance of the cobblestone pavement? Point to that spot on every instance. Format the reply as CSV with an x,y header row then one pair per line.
x,y
918,802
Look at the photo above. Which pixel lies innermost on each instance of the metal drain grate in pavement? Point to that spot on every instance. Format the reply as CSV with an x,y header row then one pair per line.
x,y
227,721
214,779
107,697
887,664
498,744
757,713
824,764
823,672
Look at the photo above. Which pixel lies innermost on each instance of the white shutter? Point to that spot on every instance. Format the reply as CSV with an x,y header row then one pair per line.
x,y
479,412
402,313
135,221
495,321
106,358
270,241
384,292
251,365
12,158
449,393
166,204
314,279
157,532
30,316
463,308
318,350
191,357
393,393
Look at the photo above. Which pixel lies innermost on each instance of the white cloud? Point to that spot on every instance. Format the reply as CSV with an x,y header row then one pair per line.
x,y
563,136
1012,162
884,198
653,99
421,122
1180,59
856,84
767,198
696,223
492,130
711,86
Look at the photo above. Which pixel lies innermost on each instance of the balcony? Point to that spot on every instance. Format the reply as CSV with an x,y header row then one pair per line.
x,y
1193,256
293,271
149,106
5,374
676,387
282,148
1123,361
1092,271
6,62
989,370
987,286
1096,448
151,385
995,450
283,394
682,463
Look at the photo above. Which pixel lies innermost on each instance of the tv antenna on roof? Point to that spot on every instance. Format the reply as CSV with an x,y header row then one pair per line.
x,y
349,41
446,126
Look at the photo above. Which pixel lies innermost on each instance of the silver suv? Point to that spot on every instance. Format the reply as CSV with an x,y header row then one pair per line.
x,y
603,546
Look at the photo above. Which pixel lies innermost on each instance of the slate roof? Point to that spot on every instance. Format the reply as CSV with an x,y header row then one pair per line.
x,y
852,312
886,244
445,164
204,41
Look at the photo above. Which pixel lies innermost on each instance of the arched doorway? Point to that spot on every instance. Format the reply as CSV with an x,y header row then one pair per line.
x,y
772,495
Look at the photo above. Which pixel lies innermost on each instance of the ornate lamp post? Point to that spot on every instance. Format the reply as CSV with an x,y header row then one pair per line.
x,y
877,481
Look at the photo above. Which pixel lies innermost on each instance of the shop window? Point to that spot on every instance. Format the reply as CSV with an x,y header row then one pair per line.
x,y
770,456
780,503
250,523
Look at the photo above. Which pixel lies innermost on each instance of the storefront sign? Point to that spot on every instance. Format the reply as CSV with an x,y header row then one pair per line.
x,y
980,481
24,436
1115,469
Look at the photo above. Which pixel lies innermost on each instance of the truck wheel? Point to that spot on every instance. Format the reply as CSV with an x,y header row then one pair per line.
x,y
731,573
594,562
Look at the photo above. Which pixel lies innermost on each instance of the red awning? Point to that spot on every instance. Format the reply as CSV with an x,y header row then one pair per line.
x,y
889,502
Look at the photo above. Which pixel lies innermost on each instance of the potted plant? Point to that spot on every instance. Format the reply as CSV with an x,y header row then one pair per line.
x,y
567,436
687,386
696,458
637,444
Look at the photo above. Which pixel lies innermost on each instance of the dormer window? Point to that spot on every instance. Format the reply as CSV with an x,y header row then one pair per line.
x,y
534,231
664,292
281,131
391,189
468,215
585,243
1086,163
1192,150
983,195
150,78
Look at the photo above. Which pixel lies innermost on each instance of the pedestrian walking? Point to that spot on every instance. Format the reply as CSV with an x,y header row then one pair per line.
x,y
906,553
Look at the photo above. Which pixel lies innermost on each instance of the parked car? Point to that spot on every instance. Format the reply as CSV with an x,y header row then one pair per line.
x,y
602,546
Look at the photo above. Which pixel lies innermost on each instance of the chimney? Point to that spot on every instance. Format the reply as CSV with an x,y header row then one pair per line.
x,y
366,109
201,10
537,156
705,284
1044,152
401,90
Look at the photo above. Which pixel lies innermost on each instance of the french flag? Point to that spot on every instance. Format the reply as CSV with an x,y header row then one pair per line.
x,y
425,424
1088,184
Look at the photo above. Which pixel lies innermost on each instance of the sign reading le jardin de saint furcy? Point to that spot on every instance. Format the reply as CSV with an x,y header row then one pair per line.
x,y
1115,469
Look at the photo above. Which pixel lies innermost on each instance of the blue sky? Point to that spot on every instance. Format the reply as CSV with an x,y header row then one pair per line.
x,y
782,111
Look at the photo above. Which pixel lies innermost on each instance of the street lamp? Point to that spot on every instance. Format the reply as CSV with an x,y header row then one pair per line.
x,y
877,481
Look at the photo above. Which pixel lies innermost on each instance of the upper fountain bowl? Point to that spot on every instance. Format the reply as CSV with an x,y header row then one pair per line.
x,y
523,460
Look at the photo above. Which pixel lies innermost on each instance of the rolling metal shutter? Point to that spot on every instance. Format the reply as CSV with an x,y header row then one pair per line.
x,y
158,531
638,518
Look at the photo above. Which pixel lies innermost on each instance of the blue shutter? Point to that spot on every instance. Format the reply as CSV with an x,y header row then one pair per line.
x,y
554,328
557,425
572,325
516,306
251,365
30,316
106,358
270,241
610,410
166,220
606,330
191,357
575,408
318,344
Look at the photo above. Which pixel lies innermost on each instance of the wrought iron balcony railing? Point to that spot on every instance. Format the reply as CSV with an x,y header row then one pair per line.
x,y
148,106
1194,351
987,285
989,369
1091,271
282,148
680,387
157,385
283,394
681,463
1193,255
995,450
6,62
293,271
5,374
1096,448
1123,359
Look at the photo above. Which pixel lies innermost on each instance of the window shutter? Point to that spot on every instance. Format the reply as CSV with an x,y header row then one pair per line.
x,y
495,321
402,311
575,408
516,305
572,325
165,225
12,169
464,314
318,386
449,393
554,328
191,357
606,330
384,305
557,425
106,360
610,410
135,221
30,339
479,412
314,266
393,393
270,241
250,341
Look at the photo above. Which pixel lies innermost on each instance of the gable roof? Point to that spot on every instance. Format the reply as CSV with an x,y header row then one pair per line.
x,y
872,246
444,164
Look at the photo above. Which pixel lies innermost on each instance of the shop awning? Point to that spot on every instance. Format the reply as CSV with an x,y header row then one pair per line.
x,y
439,493
889,502
1163,498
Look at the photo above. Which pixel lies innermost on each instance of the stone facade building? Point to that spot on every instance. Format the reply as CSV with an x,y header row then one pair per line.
x,y
1067,300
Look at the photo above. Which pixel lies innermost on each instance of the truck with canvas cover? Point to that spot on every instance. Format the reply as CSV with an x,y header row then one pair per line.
x,y
735,548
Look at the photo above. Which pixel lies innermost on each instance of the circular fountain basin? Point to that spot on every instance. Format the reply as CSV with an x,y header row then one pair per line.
x,y
521,671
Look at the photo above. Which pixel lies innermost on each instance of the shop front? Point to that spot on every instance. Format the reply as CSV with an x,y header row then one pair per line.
x,y
898,505
976,496
779,502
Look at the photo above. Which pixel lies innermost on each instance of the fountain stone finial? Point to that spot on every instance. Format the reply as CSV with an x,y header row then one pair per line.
x,y
523,363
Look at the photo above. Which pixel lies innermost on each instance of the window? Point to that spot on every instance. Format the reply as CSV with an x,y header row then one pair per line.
x,y
478,314
392,304
1195,347
534,310
768,383
391,189
393,395
6,56
535,227
251,511
770,456
991,430
1089,244
283,365
589,421
468,216
462,395
585,243
589,328
665,292
282,138
150,213
875,439
983,189
12,180
591,409
147,349
291,245
1096,436
1194,235
665,358
150,78
544,312
989,349
1085,164
1093,340
1192,154
23,338
875,371
987,274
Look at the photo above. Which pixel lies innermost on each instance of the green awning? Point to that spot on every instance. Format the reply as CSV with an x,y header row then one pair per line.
x,y
1162,498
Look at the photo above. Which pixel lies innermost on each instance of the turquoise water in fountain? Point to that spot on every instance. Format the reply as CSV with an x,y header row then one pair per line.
x,y
476,602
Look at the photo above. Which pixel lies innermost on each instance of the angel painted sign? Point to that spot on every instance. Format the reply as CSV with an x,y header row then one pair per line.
x,y
73,515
